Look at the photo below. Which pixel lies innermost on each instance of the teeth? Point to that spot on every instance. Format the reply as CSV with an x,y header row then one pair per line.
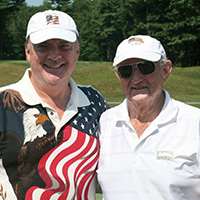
x,y
54,67
139,88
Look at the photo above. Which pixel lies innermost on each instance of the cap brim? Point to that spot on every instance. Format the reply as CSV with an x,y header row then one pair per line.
x,y
52,33
150,56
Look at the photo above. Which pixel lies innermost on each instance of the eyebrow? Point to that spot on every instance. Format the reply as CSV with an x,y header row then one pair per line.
x,y
65,42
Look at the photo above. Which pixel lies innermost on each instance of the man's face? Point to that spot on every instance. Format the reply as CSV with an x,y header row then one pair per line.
x,y
52,62
140,88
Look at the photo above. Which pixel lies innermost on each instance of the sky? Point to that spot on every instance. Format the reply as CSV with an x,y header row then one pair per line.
x,y
34,2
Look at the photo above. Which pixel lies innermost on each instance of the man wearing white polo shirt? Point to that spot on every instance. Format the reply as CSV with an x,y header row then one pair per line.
x,y
150,143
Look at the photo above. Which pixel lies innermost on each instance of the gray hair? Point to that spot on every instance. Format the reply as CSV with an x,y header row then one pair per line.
x,y
162,60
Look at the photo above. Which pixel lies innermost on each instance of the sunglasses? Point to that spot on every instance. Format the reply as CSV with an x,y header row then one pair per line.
x,y
145,68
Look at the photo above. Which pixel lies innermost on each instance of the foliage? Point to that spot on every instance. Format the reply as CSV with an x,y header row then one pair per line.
x,y
103,24
6,9
6,4
184,32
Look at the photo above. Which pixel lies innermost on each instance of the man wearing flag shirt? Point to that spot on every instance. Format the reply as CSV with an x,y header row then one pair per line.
x,y
48,124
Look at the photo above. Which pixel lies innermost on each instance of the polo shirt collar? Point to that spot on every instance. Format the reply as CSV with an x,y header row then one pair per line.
x,y
167,114
122,112
30,96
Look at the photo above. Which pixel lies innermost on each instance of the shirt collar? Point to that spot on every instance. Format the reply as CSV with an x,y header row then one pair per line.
x,y
167,114
169,110
122,111
30,96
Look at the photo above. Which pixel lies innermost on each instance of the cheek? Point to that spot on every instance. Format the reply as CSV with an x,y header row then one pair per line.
x,y
39,55
156,83
36,63
37,58
126,86
74,55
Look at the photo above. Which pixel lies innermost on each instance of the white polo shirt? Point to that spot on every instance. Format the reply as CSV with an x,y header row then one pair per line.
x,y
163,164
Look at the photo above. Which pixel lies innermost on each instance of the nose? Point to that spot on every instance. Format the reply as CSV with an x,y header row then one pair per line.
x,y
137,77
54,53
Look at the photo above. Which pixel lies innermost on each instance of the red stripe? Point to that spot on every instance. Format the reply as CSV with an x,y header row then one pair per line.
x,y
89,174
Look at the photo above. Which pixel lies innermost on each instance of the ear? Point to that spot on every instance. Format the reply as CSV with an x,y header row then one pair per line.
x,y
78,49
27,52
167,68
78,52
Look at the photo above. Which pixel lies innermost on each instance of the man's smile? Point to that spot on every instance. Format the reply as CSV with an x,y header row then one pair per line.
x,y
54,67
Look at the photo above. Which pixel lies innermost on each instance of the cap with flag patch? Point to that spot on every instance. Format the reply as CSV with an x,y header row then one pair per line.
x,y
139,46
51,24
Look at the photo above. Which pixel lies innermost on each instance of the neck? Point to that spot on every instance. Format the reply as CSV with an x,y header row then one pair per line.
x,y
143,114
56,97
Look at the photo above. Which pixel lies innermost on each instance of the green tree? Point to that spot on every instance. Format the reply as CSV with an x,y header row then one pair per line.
x,y
184,31
6,9
174,22
99,29
103,24
63,5
82,14
15,30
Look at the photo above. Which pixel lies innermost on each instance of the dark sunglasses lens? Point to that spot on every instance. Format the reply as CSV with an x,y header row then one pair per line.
x,y
146,67
125,71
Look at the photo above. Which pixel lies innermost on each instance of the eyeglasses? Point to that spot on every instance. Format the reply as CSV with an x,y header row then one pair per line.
x,y
145,68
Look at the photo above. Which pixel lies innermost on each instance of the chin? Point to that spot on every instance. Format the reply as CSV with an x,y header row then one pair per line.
x,y
52,80
139,98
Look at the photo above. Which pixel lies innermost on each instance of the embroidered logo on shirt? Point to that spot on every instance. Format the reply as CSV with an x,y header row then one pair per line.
x,y
165,155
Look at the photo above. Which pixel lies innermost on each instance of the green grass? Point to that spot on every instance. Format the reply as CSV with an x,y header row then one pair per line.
x,y
11,71
99,196
101,76
183,83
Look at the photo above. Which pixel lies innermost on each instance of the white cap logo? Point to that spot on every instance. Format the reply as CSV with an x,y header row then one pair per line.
x,y
52,19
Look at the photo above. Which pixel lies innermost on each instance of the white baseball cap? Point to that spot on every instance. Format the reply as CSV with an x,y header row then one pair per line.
x,y
139,46
51,24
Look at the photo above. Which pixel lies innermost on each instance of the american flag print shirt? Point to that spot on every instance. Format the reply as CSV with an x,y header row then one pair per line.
x,y
36,165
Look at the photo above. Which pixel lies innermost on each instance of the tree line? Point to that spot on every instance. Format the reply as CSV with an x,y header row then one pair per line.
x,y
103,24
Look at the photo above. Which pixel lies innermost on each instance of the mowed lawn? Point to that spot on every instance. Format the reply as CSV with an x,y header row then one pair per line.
x,y
183,83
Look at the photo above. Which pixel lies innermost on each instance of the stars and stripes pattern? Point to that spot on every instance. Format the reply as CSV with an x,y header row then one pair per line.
x,y
52,19
87,119
44,165
68,169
